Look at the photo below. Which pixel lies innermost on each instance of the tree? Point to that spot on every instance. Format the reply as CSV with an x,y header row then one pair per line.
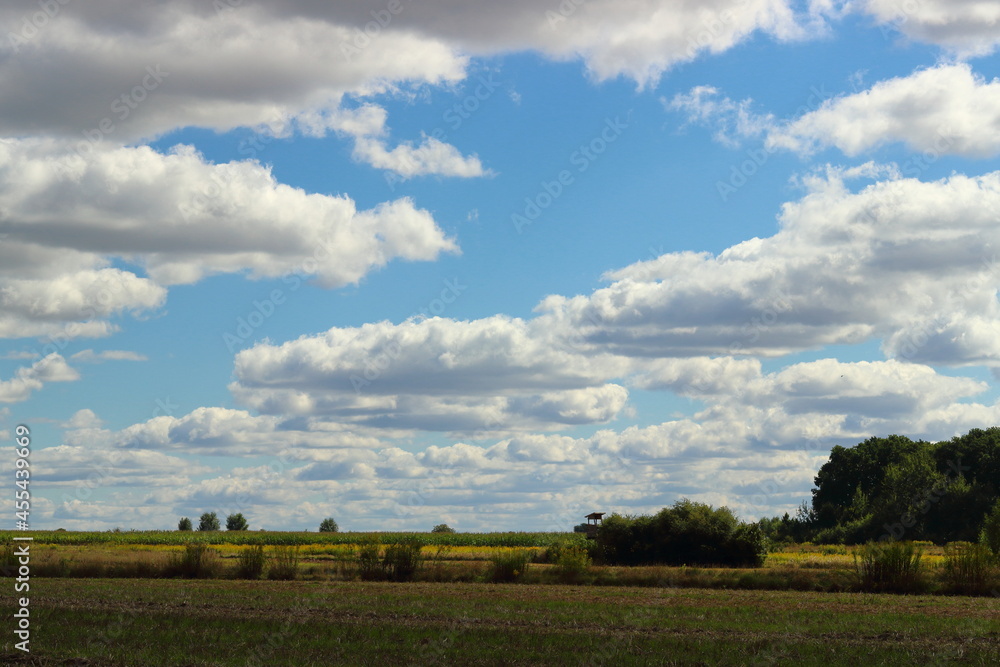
x,y
442,528
237,522
328,525
991,530
208,521
184,524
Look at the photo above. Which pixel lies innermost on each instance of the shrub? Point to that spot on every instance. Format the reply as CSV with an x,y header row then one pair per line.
x,y
442,528
990,535
284,562
250,562
401,561
237,522
328,525
508,565
369,561
184,524
8,561
208,521
197,561
889,567
688,533
572,563
968,568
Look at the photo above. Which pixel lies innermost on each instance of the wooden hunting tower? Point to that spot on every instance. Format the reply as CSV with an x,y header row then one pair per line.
x,y
593,521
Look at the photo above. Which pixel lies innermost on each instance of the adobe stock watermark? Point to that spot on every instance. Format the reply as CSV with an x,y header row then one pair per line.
x,y
34,23
581,159
565,9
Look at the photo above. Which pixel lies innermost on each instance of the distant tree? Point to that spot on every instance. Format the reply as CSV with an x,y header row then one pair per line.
x,y
328,525
442,528
208,521
184,524
237,522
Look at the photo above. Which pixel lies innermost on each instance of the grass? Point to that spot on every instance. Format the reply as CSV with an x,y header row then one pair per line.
x,y
129,623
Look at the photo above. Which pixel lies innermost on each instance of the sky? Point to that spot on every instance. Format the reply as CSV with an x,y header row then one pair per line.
x,y
496,265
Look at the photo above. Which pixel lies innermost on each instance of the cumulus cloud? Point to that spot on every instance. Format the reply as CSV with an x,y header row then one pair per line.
x,y
136,70
966,28
220,432
434,374
145,68
224,218
947,109
83,419
85,467
897,256
29,379
65,215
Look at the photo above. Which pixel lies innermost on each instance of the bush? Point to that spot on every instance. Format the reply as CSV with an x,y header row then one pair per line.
x,y
572,563
250,562
398,562
508,565
442,528
889,567
237,522
688,533
401,561
184,524
208,521
369,561
197,561
990,535
328,525
968,569
284,562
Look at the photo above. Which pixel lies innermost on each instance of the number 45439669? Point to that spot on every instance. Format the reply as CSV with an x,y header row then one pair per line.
x,y
23,472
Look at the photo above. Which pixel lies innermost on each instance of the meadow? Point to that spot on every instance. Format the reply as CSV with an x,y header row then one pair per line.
x,y
169,598
126,623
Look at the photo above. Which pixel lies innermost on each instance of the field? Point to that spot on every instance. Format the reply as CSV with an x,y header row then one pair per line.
x,y
118,599
172,622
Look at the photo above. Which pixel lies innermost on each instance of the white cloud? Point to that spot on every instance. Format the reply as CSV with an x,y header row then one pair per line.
x,y
732,121
89,468
366,125
224,218
82,419
27,380
89,356
895,258
267,59
435,374
965,27
946,109
65,215
220,432
430,157
155,67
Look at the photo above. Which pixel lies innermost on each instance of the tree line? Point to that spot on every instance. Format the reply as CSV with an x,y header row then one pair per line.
x,y
895,488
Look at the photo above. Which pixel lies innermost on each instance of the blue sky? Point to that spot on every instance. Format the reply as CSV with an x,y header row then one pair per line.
x,y
494,268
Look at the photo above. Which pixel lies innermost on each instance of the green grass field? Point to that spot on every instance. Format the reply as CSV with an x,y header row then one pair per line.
x,y
173,622
118,599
